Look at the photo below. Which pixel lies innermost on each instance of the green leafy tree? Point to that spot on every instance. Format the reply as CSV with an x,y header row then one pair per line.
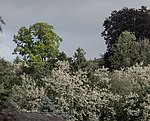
x,y
38,47
62,56
127,52
130,19
79,60
133,20
37,44
122,51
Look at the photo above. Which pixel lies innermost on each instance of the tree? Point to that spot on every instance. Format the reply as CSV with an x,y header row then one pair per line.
x,y
132,20
127,52
121,52
37,44
79,60
62,56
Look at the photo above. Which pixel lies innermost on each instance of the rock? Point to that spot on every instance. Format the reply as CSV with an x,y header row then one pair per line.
x,y
9,113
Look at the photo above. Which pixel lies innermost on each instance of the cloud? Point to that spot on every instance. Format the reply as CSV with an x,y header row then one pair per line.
x,y
78,22
6,48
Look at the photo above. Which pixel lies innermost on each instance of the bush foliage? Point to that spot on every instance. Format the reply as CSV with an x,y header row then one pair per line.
x,y
115,96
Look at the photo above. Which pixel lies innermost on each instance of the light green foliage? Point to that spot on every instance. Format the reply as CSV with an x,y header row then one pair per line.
x,y
37,44
38,47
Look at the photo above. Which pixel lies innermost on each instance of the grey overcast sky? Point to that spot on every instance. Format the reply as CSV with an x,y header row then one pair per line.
x,y
77,22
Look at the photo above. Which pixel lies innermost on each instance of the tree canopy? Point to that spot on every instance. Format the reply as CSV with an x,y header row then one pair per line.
x,y
79,60
38,43
130,19
127,52
137,23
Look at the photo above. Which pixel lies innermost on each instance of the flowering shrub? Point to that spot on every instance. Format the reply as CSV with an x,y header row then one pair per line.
x,y
134,86
28,95
74,94
123,95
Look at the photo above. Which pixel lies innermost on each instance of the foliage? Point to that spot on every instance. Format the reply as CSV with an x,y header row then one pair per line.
x,y
77,98
134,79
114,96
107,101
48,106
136,21
5,71
4,94
38,47
6,79
96,63
37,44
122,51
127,52
62,56
133,84
92,66
79,60
126,19
28,94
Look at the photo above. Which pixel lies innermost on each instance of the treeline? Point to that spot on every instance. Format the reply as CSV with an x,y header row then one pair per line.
x,y
113,87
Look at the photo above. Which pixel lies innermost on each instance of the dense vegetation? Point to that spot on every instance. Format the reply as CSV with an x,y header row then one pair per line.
x,y
43,79
136,21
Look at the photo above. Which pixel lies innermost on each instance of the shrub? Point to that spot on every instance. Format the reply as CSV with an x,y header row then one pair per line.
x,y
121,95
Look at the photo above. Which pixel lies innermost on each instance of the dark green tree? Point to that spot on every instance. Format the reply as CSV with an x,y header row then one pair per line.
x,y
132,20
129,19
62,56
79,60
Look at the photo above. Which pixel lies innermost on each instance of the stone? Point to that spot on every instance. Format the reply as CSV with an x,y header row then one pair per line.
x,y
8,112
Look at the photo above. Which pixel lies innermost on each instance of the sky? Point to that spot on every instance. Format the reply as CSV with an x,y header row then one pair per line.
x,y
77,22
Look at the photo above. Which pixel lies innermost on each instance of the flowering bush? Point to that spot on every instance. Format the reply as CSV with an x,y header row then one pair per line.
x,y
133,85
123,95
28,95
74,94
